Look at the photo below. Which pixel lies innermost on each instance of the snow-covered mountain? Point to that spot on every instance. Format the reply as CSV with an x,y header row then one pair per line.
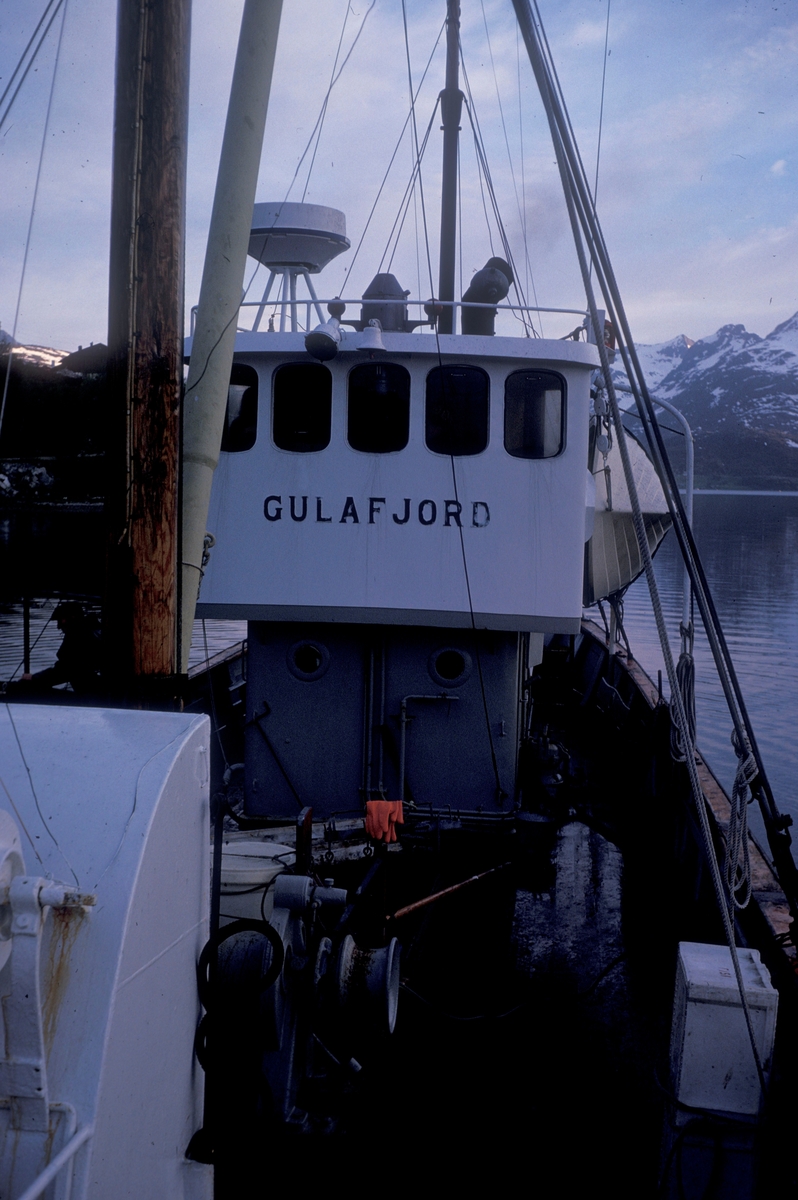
x,y
739,391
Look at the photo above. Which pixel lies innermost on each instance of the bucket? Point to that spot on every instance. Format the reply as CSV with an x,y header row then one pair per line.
x,y
249,866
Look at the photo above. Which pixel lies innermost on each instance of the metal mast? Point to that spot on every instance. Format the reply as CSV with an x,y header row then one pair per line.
x,y
451,107
145,347
222,288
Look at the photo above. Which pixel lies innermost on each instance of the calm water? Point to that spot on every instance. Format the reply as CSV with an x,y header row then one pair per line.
x,y
749,546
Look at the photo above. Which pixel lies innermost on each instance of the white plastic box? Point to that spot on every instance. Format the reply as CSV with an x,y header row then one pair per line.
x,y
712,1063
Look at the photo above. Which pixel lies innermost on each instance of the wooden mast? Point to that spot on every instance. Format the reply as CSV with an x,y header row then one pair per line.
x,y
145,344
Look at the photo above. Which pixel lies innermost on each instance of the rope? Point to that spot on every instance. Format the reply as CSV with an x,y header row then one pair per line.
x,y
738,857
33,203
685,678
575,189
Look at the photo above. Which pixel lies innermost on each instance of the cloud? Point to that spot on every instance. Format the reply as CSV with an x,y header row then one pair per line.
x,y
692,124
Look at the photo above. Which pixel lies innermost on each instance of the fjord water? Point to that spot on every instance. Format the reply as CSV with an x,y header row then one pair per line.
x,y
749,546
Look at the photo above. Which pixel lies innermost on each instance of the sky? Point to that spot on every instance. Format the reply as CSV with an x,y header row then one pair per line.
x,y
697,176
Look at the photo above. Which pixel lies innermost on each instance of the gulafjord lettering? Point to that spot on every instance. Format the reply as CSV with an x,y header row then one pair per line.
x,y
424,512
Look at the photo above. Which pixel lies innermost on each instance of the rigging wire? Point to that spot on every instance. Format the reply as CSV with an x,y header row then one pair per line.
x,y
521,213
776,824
404,204
584,224
317,127
601,106
64,5
601,115
323,113
530,279
482,159
408,118
9,85
500,794
415,144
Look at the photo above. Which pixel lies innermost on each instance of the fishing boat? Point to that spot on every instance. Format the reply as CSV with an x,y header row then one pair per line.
x,y
472,890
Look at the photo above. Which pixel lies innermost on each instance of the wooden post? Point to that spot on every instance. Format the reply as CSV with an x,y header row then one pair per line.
x,y
145,348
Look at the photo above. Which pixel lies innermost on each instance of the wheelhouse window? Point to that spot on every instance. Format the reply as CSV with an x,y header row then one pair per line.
x,y
241,417
457,410
302,407
534,414
378,416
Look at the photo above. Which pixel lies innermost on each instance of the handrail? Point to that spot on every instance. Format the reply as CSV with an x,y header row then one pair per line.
x,y
286,303
61,1159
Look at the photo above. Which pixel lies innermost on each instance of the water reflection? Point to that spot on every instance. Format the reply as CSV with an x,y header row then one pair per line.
x,y
749,546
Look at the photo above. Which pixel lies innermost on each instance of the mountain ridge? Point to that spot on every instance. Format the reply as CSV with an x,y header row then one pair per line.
x,y
739,392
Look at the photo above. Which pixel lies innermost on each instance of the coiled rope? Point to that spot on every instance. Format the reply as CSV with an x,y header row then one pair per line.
x,y
738,857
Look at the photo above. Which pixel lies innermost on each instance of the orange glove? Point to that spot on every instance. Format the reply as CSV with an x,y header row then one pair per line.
x,y
382,817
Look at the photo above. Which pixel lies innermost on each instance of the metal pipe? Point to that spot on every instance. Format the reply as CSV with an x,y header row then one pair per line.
x,y
451,107
263,302
292,285
370,726
221,290
26,635
284,302
49,1173
403,719
381,766
315,298
537,308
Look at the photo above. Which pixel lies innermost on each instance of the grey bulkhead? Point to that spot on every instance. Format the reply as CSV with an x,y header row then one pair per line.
x,y
330,736
306,732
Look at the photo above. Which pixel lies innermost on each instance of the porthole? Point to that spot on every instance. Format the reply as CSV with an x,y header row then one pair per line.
x,y
450,667
308,660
